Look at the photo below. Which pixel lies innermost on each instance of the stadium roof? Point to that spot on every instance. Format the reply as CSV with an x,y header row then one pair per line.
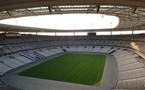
x,y
130,12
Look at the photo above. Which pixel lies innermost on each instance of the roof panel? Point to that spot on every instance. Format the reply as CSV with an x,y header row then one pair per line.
x,y
130,12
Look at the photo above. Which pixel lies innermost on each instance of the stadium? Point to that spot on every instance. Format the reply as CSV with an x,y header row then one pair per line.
x,y
77,58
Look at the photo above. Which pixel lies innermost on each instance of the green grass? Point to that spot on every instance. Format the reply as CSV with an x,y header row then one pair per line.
x,y
75,68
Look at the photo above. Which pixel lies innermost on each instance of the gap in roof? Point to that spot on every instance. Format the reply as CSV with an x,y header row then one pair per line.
x,y
66,21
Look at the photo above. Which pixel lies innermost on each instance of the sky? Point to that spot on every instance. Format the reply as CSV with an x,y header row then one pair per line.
x,y
66,21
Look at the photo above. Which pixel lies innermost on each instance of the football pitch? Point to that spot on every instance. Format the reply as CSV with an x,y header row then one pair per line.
x,y
74,68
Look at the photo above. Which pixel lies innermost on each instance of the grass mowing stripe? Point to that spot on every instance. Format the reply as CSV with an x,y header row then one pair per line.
x,y
75,68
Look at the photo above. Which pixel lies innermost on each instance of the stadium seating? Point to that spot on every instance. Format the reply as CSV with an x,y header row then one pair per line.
x,y
30,48
131,72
